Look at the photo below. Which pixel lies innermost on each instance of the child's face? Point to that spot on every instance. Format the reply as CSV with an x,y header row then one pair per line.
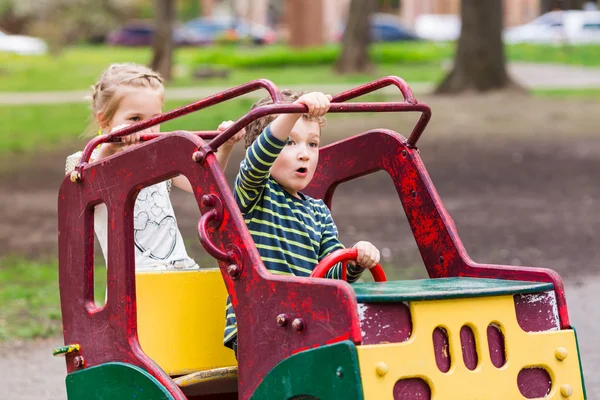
x,y
296,164
137,104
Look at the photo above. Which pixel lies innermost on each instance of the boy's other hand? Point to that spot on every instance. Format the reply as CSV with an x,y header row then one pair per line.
x,y
317,103
368,255
235,138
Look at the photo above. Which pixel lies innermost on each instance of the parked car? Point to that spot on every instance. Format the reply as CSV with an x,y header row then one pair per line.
x,y
211,29
572,26
438,27
140,34
385,28
23,45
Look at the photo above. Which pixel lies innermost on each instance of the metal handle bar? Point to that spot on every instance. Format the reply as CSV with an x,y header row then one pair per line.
x,y
287,108
410,104
375,85
205,135
178,112
204,239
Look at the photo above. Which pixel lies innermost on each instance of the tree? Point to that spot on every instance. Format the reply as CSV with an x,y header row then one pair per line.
x,y
162,42
479,63
61,22
551,5
356,39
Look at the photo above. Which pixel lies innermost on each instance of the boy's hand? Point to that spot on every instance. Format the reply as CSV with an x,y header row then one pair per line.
x,y
235,138
368,255
317,103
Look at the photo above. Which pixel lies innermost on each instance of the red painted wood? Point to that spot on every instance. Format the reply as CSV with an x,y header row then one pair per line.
x,y
496,345
534,383
536,312
469,349
412,389
327,307
441,349
385,322
437,238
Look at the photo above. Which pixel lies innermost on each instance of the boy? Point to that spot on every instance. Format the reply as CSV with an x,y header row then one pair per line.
x,y
292,231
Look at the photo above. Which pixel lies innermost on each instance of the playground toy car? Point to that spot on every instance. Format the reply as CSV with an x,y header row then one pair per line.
x,y
470,331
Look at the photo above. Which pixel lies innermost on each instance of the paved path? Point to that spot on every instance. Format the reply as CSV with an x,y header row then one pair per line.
x,y
539,76
31,373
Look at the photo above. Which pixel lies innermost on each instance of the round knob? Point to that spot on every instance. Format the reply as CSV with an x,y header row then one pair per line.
x,y
382,368
197,157
234,271
298,324
78,362
282,320
566,390
561,353
208,200
75,177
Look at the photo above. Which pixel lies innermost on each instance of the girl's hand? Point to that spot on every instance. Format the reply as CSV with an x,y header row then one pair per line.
x,y
235,138
129,139
368,255
317,103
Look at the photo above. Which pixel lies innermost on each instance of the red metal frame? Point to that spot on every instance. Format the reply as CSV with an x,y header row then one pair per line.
x,y
435,233
277,315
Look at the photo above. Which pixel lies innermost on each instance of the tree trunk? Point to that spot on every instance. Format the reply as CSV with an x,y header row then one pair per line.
x,y
356,39
479,63
162,42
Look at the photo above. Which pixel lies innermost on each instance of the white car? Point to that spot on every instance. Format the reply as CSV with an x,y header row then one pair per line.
x,y
23,45
438,27
573,26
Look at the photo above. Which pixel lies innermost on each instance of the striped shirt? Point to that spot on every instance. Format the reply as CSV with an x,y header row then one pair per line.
x,y
291,234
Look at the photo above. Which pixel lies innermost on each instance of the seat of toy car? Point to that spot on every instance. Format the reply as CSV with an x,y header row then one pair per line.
x,y
442,288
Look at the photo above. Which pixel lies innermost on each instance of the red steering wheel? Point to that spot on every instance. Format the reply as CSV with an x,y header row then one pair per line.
x,y
343,256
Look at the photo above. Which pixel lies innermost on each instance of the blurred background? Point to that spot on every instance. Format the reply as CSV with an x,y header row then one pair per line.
x,y
513,145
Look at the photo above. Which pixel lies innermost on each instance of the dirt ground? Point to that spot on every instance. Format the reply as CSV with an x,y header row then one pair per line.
x,y
517,174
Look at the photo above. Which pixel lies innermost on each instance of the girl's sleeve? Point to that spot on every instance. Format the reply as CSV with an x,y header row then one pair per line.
x,y
255,169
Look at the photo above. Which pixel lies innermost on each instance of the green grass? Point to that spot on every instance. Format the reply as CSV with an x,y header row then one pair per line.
x,y
593,94
30,298
44,126
77,68
587,55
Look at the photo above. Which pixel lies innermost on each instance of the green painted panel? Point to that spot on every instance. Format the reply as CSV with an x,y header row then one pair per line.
x,y
442,288
325,373
115,381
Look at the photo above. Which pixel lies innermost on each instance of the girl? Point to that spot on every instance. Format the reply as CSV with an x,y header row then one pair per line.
x,y
126,94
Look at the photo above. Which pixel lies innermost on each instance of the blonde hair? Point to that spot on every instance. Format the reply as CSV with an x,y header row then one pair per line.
x,y
255,128
107,92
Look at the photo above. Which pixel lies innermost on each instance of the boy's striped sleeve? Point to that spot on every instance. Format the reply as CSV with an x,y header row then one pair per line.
x,y
255,169
330,242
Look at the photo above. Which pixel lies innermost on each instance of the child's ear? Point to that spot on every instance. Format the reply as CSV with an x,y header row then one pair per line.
x,y
101,120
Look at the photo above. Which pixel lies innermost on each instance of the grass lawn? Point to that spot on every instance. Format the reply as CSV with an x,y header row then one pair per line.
x,y
30,299
593,94
43,126
79,67
29,127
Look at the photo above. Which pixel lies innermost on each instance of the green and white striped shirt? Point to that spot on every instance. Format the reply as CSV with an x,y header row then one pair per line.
x,y
291,234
